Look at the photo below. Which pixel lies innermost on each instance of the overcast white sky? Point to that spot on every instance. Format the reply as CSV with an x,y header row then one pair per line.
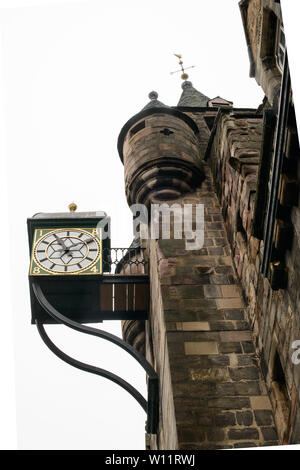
x,y
72,74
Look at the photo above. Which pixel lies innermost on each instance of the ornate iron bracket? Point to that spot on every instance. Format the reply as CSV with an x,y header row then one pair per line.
x,y
150,406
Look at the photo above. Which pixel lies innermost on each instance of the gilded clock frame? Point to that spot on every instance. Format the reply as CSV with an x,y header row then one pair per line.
x,y
95,268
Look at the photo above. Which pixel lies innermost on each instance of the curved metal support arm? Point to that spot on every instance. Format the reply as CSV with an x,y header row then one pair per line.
x,y
92,331
151,407
88,368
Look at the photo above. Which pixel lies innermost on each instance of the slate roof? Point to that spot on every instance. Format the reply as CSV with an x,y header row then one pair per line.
x,y
192,97
154,103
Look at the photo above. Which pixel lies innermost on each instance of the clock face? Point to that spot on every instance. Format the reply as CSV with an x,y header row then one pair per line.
x,y
66,251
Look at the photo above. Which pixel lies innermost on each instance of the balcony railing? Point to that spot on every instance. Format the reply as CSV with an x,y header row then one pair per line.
x,y
124,288
125,261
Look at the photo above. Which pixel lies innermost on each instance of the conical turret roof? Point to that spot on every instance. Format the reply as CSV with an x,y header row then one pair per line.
x,y
154,103
192,97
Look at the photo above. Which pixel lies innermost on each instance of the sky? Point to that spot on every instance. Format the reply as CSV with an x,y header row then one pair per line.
x,y
72,73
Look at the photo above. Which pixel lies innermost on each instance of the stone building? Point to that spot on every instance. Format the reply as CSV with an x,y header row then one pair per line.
x,y
224,317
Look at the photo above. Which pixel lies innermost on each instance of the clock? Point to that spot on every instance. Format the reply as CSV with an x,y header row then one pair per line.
x,y
69,253
65,251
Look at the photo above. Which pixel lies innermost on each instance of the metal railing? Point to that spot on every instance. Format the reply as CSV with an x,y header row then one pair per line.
x,y
126,261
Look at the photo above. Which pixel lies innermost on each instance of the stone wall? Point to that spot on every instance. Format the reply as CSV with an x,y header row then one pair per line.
x,y
204,121
260,23
274,314
254,20
158,354
212,393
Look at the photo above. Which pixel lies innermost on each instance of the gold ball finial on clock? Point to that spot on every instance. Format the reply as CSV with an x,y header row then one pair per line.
x,y
72,207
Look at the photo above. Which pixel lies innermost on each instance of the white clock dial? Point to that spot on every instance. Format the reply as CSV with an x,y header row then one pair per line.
x,y
67,251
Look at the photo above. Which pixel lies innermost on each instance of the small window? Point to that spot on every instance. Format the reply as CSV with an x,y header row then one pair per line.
x,y
279,379
280,46
137,128
166,131
280,400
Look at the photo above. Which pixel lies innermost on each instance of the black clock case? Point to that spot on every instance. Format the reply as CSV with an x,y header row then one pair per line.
x,y
75,296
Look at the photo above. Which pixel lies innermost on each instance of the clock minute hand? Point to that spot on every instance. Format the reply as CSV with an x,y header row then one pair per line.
x,y
89,240
66,249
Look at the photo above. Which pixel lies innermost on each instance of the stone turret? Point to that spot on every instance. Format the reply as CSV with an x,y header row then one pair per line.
x,y
159,148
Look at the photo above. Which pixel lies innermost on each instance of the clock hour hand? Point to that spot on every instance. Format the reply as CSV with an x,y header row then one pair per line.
x,y
63,247
62,244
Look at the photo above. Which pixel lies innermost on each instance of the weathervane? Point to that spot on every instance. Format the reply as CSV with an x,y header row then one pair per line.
x,y
184,75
